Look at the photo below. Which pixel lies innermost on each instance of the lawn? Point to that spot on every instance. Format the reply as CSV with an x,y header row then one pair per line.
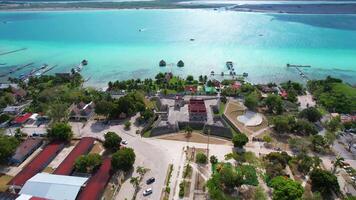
x,y
346,89
4,179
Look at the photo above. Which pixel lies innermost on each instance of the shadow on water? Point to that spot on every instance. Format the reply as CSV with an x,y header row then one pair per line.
x,y
342,22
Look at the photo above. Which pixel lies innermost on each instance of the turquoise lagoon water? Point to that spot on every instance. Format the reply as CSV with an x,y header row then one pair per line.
x,y
260,44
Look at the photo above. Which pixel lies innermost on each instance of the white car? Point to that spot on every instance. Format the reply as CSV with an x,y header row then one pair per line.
x,y
124,142
147,192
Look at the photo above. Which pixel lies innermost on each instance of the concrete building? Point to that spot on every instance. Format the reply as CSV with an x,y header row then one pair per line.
x,y
197,110
82,111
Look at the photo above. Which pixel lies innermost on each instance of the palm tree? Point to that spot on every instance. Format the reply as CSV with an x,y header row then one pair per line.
x,y
316,162
135,183
337,163
141,171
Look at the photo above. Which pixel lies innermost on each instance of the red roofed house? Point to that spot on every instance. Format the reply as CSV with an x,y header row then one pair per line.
x,y
236,85
197,110
190,89
22,119
284,94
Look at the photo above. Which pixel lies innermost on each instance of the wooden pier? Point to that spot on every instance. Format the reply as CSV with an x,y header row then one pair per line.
x,y
16,69
13,51
301,73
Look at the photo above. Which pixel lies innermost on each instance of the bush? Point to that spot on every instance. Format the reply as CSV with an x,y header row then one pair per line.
x,y
112,141
127,125
181,189
312,114
123,159
60,131
286,189
201,158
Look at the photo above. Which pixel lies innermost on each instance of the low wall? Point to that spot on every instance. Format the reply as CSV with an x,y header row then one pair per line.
x,y
193,125
219,131
161,130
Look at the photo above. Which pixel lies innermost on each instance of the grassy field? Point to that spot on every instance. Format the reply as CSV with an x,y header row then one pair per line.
x,y
346,89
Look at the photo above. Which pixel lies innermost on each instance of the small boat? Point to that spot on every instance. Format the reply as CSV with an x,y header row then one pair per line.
x,y
162,63
245,74
192,39
180,63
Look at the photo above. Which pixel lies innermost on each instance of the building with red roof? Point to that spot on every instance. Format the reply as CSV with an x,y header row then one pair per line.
x,y
236,85
97,183
83,147
284,94
37,164
22,119
197,110
190,89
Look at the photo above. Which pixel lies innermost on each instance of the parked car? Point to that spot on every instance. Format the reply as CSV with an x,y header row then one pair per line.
x,y
124,142
147,192
150,180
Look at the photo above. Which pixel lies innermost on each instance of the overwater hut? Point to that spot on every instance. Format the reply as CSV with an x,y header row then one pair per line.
x,y
180,63
84,62
162,63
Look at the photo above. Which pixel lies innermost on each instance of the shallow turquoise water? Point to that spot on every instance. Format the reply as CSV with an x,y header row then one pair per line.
x,y
260,44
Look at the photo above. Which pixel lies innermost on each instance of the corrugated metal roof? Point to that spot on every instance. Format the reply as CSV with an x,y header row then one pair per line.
x,y
52,186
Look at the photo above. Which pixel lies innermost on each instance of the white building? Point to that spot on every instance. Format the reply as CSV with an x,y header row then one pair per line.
x,y
50,186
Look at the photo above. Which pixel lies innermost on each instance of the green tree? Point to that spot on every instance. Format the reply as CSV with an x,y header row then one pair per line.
x,y
312,114
60,131
333,124
104,107
324,182
213,160
58,112
319,143
201,158
188,131
282,124
112,141
8,146
190,78
286,189
251,101
88,163
274,103
123,159
239,140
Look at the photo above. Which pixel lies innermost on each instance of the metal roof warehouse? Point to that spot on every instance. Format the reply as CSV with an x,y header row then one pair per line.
x,y
52,186
37,164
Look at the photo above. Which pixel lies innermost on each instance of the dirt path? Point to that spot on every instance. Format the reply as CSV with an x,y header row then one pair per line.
x,y
196,138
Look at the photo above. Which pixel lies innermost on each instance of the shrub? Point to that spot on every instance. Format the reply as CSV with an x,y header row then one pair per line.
x,y
201,158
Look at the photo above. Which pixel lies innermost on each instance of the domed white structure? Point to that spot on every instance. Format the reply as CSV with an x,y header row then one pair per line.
x,y
250,118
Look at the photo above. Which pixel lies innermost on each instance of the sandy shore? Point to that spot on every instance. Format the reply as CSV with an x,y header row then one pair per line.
x,y
342,8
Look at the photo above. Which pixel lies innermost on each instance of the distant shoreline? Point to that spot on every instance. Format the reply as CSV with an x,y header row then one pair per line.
x,y
295,8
